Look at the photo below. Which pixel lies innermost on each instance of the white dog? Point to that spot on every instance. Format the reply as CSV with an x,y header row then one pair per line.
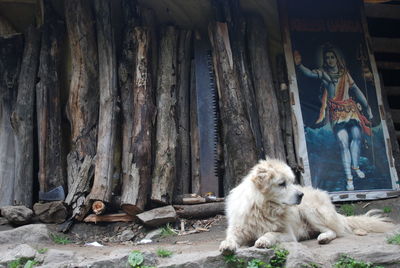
x,y
266,207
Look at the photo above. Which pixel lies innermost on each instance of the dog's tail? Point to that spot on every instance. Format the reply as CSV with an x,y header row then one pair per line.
x,y
371,222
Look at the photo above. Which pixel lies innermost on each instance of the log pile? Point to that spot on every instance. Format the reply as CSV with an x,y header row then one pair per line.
x,y
139,95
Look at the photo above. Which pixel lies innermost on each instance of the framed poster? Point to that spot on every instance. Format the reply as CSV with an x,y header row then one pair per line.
x,y
342,139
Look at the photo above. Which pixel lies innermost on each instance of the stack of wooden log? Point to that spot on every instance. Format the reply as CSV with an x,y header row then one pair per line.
x,y
133,139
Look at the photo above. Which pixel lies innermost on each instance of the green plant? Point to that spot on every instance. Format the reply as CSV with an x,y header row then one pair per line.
x,y
59,239
167,230
164,253
277,261
347,209
395,239
22,263
348,262
136,259
387,209
42,250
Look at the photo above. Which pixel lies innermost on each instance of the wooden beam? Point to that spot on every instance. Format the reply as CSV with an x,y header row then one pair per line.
x,y
119,217
387,45
392,91
388,65
395,115
382,11
32,2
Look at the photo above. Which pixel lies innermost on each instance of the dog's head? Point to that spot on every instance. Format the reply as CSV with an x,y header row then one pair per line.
x,y
274,179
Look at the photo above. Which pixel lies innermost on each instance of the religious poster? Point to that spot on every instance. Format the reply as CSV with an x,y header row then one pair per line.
x,y
336,98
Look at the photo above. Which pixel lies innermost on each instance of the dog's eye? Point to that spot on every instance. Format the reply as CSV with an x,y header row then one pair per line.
x,y
282,184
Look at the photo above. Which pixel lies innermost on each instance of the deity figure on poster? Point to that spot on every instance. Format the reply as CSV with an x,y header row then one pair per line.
x,y
344,106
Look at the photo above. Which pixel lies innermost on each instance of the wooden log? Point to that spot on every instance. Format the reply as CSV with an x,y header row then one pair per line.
x,y
266,99
284,100
22,120
10,59
102,184
194,135
48,107
200,210
138,117
118,217
239,145
83,104
183,113
166,130
98,207
237,35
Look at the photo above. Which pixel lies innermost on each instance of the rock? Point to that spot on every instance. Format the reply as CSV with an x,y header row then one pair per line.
x,y
158,216
117,259
58,258
18,215
32,233
300,255
153,234
20,251
51,212
126,235
3,221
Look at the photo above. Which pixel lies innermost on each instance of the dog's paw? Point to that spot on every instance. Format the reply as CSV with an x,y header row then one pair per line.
x,y
324,238
360,232
228,247
263,242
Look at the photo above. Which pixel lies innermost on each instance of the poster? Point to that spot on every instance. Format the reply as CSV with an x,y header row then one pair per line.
x,y
342,138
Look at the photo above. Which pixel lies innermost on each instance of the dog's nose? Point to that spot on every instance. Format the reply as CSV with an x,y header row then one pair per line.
x,y
299,197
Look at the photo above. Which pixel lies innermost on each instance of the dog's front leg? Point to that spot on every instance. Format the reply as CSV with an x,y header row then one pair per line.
x,y
234,239
271,238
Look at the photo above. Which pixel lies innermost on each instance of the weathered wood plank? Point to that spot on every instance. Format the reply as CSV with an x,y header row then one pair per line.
x,y
386,45
395,115
266,99
164,173
183,113
11,49
83,103
382,11
239,144
194,134
22,120
48,107
392,91
388,65
107,126
138,125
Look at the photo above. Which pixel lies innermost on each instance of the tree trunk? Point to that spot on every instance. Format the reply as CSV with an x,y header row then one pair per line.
x,y
138,113
102,185
166,130
83,103
183,113
194,135
239,145
267,103
22,120
51,173
10,59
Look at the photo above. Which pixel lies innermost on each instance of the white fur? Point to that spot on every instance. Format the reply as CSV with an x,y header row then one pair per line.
x,y
264,208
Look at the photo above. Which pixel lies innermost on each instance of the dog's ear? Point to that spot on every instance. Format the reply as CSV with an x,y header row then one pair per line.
x,y
263,177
